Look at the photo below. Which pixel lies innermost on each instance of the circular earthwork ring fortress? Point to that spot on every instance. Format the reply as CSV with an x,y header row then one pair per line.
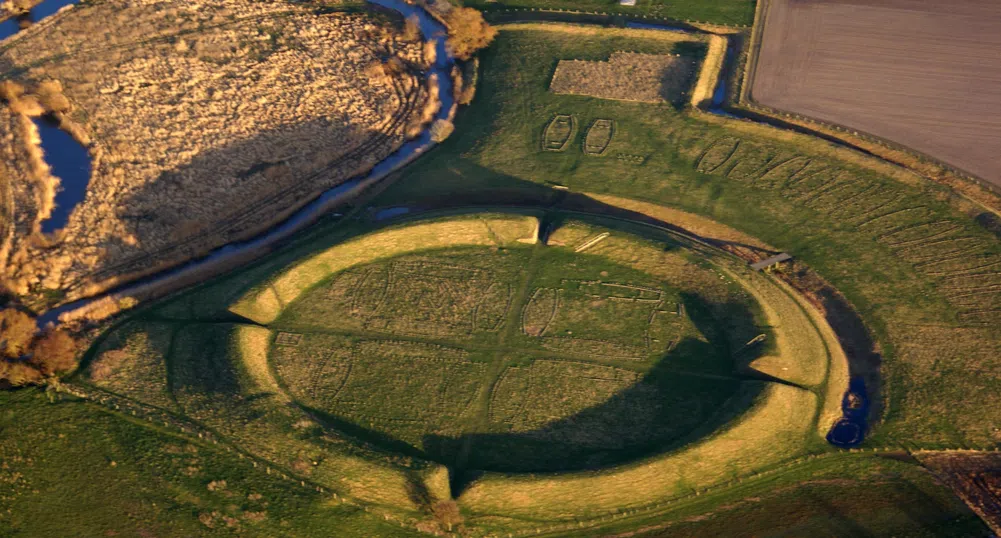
x,y
611,352
469,352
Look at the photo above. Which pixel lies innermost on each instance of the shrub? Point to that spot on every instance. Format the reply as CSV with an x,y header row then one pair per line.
x,y
10,90
441,129
16,331
50,95
447,514
18,373
468,32
54,353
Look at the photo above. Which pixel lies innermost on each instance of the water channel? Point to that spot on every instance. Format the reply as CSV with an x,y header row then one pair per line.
x,y
67,159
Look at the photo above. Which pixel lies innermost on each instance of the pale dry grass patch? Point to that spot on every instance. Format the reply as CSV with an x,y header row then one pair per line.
x,y
838,371
252,109
801,351
253,344
592,30
625,76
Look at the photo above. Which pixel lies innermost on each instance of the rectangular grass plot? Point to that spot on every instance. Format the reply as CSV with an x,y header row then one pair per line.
x,y
626,76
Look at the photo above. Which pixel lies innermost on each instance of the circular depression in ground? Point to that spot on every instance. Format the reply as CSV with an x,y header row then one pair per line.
x,y
519,359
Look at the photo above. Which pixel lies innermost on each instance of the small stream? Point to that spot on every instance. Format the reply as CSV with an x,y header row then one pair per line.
x,y
68,161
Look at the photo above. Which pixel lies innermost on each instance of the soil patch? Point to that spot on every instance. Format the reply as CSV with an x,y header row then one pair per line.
x,y
920,73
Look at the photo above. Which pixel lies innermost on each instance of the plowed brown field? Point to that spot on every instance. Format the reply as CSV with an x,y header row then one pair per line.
x,y
923,73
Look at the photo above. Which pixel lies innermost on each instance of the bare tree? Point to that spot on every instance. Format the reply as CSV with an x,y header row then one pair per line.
x,y
54,353
467,32
17,329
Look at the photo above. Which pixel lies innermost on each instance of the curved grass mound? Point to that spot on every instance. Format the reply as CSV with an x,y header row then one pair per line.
x,y
450,358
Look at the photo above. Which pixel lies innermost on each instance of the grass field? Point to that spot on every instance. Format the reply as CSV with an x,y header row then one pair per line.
x,y
73,469
882,497
382,367
527,358
915,266
725,12
379,372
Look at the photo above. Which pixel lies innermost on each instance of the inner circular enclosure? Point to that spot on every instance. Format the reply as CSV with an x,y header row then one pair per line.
x,y
517,359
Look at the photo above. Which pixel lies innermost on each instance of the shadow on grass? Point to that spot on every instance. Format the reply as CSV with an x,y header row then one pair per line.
x,y
690,392
662,411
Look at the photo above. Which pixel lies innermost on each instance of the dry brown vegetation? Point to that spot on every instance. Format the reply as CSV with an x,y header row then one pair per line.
x,y
13,8
702,94
974,476
628,76
23,187
27,357
933,87
205,123
467,32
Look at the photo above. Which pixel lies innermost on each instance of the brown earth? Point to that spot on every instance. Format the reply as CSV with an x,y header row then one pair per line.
x,y
205,124
925,74
974,476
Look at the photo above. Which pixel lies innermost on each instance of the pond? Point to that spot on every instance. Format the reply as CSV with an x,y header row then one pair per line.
x,y
849,431
70,162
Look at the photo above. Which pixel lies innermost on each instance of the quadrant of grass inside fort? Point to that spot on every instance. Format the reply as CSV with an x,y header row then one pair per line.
x,y
375,363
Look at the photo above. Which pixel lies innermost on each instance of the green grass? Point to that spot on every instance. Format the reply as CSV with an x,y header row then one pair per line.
x,y
501,350
74,469
727,12
876,506
839,496
131,362
478,385
913,264
508,358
